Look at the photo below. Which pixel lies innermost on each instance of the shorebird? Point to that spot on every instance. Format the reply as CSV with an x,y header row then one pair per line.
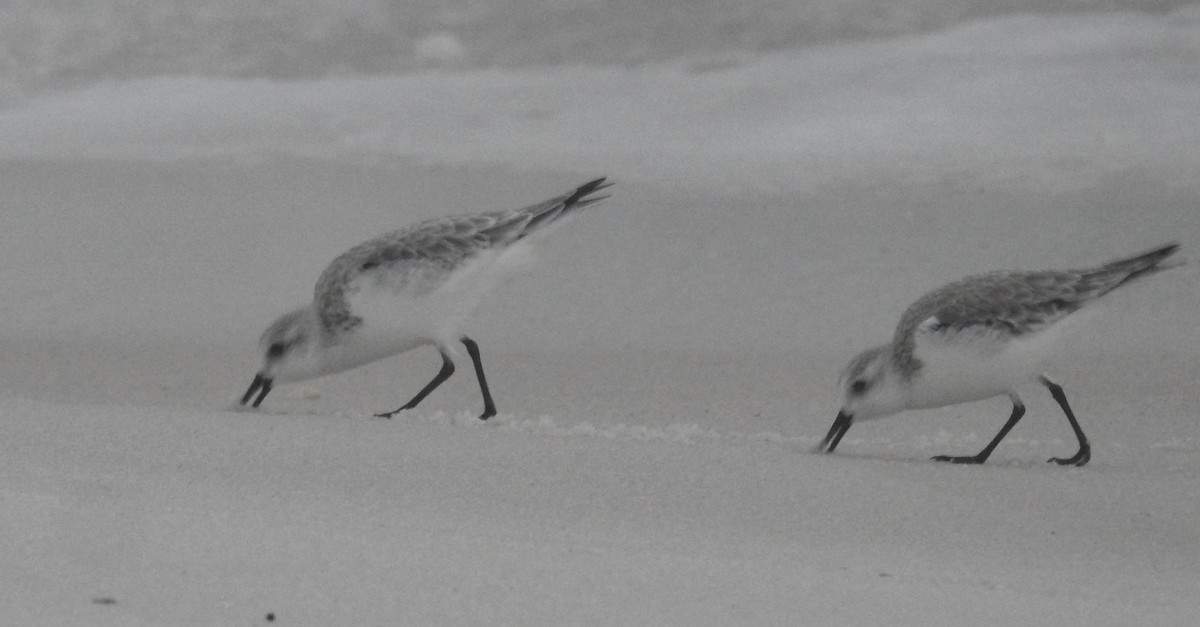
x,y
407,288
979,337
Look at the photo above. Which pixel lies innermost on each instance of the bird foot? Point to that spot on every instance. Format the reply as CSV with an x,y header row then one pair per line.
x,y
964,459
1082,457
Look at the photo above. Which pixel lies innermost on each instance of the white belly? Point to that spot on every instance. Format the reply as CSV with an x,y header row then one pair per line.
x,y
967,368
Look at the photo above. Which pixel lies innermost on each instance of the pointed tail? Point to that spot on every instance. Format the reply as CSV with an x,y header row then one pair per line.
x,y
579,198
550,210
1122,271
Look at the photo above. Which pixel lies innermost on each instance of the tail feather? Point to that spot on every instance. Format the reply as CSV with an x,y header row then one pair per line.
x,y
1123,271
579,197
552,209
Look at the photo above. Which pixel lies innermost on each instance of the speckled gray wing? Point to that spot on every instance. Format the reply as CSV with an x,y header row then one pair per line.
x,y
418,257
1009,303
1015,303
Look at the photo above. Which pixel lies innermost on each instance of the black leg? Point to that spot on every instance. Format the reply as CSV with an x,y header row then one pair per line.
x,y
1084,454
1017,412
489,408
442,375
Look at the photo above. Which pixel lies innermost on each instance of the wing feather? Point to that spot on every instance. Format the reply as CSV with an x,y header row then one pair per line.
x,y
434,248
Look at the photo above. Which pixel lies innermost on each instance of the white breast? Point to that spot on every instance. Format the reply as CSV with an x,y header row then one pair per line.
x,y
970,366
400,312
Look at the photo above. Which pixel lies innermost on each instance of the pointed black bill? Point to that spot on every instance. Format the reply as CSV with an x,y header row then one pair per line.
x,y
262,385
841,425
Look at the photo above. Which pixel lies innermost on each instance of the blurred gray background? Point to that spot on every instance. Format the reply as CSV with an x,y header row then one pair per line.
x,y
66,41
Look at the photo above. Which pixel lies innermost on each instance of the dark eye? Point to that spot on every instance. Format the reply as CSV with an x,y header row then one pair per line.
x,y
275,350
859,386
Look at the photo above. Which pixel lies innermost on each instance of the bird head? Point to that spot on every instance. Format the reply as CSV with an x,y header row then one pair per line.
x,y
288,348
871,388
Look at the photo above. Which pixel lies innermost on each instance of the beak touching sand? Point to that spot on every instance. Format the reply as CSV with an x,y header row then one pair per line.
x,y
841,425
262,385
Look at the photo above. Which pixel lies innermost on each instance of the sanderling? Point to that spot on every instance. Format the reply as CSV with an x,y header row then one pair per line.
x,y
976,338
404,289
